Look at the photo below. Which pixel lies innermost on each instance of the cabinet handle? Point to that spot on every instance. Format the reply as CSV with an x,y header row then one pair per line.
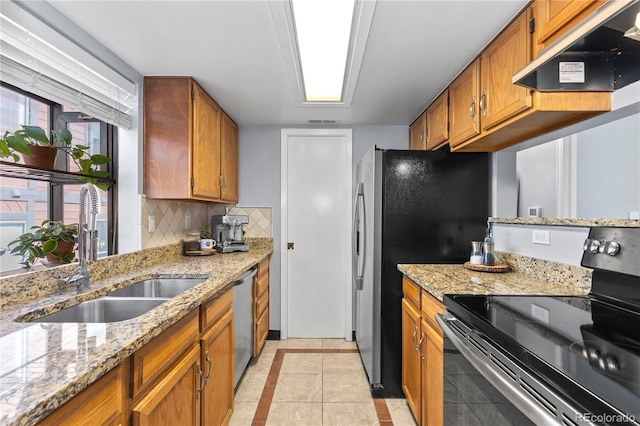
x,y
413,337
421,135
483,99
426,133
472,109
420,343
199,390
206,357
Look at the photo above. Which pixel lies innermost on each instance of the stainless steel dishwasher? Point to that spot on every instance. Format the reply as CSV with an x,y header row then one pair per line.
x,y
243,321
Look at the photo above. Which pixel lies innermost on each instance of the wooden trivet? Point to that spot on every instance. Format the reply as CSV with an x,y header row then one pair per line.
x,y
501,267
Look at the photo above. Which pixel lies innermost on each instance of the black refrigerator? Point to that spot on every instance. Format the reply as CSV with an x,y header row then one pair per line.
x,y
411,207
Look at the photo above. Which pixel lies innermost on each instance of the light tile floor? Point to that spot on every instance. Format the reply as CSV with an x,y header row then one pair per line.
x,y
312,388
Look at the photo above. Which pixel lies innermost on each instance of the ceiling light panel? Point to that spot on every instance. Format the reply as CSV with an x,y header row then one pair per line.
x,y
323,30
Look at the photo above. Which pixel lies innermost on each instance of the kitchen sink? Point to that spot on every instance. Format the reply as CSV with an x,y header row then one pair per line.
x,y
104,309
157,287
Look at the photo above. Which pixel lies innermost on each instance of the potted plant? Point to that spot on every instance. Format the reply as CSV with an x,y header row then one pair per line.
x,y
32,141
206,239
51,239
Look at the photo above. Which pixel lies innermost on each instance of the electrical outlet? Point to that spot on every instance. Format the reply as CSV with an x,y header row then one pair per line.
x,y
634,215
539,236
152,223
540,313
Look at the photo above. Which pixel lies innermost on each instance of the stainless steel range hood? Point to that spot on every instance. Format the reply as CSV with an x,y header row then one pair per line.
x,y
594,56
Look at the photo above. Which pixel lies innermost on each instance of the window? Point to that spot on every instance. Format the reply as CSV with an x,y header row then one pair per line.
x,y
26,202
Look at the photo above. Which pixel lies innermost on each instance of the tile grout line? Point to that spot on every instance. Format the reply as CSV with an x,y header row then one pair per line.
x,y
262,411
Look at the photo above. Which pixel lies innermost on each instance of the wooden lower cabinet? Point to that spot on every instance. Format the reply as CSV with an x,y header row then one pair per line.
x,y
422,356
411,362
261,306
175,400
102,403
218,367
182,377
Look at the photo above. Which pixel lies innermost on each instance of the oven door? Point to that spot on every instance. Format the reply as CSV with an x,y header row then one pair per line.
x,y
487,381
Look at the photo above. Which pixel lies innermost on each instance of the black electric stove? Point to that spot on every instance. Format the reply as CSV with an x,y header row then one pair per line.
x,y
585,351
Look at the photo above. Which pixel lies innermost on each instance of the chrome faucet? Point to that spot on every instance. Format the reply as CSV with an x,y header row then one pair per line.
x,y
87,236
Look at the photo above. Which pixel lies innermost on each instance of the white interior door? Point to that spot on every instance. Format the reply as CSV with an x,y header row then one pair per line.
x,y
316,228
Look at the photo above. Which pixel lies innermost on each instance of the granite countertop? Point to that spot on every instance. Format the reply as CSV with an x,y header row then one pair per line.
x,y
439,279
42,365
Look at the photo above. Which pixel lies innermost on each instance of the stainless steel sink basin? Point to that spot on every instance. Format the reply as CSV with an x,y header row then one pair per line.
x,y
104,309
158,287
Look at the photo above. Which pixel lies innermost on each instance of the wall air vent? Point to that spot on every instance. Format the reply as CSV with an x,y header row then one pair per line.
x,y
325,122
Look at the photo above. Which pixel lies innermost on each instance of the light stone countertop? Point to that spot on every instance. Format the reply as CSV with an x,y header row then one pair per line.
x,y
439,279
45,364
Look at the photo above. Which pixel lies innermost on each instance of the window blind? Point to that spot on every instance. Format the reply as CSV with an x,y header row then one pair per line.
x,y
36,66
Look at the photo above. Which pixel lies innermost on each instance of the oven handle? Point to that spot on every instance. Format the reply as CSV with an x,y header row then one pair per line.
x,y
524,403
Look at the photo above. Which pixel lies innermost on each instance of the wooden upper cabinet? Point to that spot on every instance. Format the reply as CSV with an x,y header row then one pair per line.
x,y
506,55
417,136
464,95
229,160
555,17
206,183
438,121
190,144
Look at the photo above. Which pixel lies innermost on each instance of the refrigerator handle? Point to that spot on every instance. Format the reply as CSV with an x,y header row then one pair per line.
x,y
358,241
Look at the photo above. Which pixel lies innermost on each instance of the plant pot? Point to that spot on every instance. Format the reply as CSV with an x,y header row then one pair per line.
x,y
63,248
43,156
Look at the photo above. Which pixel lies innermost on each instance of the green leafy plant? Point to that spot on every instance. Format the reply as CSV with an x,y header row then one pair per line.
x,y
43,239
205,234
14,143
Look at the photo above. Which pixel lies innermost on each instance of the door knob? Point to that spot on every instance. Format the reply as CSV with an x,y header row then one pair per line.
x,y
290,246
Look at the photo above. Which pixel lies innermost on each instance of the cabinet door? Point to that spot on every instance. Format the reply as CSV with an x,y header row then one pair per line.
x,y
438,121
417,137
229,159
432,376
206,146
218,367
500,99
175,400
167,137
411,359
555,17
464,98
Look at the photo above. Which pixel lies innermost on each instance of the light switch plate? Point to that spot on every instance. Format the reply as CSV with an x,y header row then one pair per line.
x,y
152,223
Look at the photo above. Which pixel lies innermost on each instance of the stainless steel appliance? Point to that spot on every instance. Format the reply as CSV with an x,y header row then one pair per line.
x,y
411,207
228,232
563,360
243,322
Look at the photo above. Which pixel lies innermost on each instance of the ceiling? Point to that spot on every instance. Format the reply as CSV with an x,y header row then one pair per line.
x,y
414,50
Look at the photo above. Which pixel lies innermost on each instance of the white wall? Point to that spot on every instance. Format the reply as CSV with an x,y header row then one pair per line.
x,y
259,180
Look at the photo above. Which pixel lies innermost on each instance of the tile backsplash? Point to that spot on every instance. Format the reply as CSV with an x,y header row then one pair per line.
x,y
170,218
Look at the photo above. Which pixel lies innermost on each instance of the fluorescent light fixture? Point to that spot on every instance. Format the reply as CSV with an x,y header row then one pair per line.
x,y
323,30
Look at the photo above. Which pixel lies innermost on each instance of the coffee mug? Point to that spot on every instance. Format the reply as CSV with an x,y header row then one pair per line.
x,y
207,244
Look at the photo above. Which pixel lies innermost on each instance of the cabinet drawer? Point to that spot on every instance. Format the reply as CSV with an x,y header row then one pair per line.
x,y
213,309
101,403
157,356
263,267
430,307
261,304
261,285
411,291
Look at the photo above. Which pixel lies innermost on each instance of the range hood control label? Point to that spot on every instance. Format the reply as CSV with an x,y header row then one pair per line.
x,y
571,72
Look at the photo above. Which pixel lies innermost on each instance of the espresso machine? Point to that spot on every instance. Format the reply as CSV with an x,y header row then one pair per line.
x,y
228,233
